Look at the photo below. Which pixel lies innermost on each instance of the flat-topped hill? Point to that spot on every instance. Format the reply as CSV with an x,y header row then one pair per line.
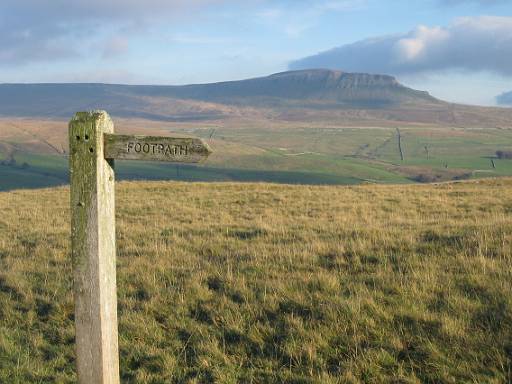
x,y
335,88
339,88
273,283
314,95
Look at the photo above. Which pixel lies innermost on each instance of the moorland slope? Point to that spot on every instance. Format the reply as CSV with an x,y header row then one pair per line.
x,y
226,283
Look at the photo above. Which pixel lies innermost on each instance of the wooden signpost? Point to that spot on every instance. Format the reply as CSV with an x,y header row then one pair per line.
x,y
93,148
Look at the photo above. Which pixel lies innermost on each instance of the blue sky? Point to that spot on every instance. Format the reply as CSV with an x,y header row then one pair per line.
x,y
459,50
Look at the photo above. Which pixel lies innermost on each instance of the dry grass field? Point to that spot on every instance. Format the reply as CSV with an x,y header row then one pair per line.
x,y
261,283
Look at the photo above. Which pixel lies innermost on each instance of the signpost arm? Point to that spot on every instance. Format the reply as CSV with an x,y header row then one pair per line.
x,y
93,249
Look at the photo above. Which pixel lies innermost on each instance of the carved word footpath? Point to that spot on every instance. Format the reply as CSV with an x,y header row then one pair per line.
x,y
151,148
155,148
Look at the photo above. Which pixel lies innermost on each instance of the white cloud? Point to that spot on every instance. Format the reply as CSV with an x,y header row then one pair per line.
x,y
55,30
415,47
36,30
114,47
472,44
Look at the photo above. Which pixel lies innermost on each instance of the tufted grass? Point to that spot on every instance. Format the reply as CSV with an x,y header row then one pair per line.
x,y
262,283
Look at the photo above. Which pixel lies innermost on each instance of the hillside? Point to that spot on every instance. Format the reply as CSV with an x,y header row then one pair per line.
x,y
307,127
33,153
238,283
332,88
298,96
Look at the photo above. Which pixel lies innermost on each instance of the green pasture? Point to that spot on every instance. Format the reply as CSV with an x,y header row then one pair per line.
x,y
306,155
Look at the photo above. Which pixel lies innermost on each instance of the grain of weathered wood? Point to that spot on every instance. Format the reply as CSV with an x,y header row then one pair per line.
x,y
93,249
151,148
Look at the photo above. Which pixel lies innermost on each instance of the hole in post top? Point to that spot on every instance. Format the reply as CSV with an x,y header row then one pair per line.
x,y
77,137
91,150
86,137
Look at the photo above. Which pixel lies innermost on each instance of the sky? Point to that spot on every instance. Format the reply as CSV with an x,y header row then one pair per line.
x,y
458,50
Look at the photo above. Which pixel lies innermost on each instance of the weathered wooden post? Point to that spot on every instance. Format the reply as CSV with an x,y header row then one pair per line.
x,y
93,147
93,249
